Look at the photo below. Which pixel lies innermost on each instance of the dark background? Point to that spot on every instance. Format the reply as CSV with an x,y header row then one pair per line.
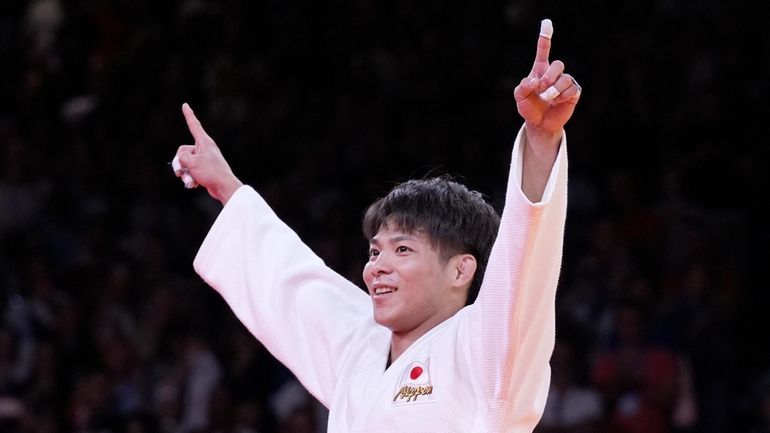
x,y
322,107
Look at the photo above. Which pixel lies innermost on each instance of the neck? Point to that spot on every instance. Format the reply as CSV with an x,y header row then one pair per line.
x,y
401,340
398,345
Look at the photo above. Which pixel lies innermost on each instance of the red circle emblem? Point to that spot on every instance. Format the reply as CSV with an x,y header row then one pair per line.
x,y
415,373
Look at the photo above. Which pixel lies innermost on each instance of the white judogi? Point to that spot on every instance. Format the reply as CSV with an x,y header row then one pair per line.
x,y
483,370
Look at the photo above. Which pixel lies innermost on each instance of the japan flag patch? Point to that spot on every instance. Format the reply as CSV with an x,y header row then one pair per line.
x,y
415,385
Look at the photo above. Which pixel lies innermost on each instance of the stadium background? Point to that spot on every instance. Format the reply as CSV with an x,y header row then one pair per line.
x,y
322,106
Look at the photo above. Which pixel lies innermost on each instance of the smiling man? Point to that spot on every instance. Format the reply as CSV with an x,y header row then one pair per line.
x,y
429,244
458,327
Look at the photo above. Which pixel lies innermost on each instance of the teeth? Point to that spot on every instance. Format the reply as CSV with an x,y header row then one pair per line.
x,y
383,290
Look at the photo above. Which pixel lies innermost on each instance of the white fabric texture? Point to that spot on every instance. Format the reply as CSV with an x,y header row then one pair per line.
x,y
483,370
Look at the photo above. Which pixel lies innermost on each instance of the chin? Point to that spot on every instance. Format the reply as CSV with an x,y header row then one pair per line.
x,y
380,320
383,320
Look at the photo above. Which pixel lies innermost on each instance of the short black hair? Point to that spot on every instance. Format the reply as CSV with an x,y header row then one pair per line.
x,y
456,219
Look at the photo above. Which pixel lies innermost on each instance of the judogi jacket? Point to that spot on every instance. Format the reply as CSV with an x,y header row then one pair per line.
x,y
483,370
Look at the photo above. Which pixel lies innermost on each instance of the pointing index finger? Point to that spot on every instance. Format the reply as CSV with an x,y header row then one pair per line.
x,y
193,124
544,41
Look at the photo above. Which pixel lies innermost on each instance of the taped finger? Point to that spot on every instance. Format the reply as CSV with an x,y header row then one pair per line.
x,y
188,180
179,171
550,94
546,28
564,83
176,165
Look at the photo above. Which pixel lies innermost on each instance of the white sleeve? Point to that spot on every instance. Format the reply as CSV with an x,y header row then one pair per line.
x,y
512,322
303,312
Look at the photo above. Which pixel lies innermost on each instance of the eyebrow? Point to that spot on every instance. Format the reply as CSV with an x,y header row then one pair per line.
x,y
393,239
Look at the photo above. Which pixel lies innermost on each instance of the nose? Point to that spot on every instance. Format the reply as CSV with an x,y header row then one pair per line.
x,y
379,265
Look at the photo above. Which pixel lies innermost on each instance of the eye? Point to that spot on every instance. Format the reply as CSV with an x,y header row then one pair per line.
x,y
373,253
403,249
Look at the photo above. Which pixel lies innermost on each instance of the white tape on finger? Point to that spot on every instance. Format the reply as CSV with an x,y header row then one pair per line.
x,y
546,28
176,165
188,180
550,94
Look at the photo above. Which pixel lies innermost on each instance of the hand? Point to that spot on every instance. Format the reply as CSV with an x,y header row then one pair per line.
x,y
546,98
204,161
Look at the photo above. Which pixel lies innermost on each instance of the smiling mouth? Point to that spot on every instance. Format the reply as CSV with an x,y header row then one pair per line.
x,y
379,291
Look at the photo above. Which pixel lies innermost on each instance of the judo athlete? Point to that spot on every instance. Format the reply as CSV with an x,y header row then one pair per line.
x,y
457,329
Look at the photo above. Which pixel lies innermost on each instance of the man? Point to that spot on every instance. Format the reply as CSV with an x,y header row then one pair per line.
x,y
411,356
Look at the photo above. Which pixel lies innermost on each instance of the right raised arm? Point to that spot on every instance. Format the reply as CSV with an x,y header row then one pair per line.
x,y
302,311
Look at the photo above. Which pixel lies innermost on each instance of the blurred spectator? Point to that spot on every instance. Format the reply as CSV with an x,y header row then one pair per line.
x,y
571,407
202,377
639,381
105,326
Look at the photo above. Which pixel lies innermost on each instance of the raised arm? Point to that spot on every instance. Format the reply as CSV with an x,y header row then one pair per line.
x,y
512,325
204,162
546,99
302,311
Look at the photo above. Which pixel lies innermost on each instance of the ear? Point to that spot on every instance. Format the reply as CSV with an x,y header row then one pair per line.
x,y
462,268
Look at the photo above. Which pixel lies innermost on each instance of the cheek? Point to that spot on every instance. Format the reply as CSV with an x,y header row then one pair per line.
x,y
367,274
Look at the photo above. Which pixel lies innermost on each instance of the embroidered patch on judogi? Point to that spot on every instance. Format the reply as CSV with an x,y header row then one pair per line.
x,y
415,385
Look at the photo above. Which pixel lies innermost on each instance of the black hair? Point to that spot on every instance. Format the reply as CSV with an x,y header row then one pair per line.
x,y
456,220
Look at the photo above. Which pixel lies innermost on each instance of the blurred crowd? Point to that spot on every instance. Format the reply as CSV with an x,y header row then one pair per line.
x,y
322,107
